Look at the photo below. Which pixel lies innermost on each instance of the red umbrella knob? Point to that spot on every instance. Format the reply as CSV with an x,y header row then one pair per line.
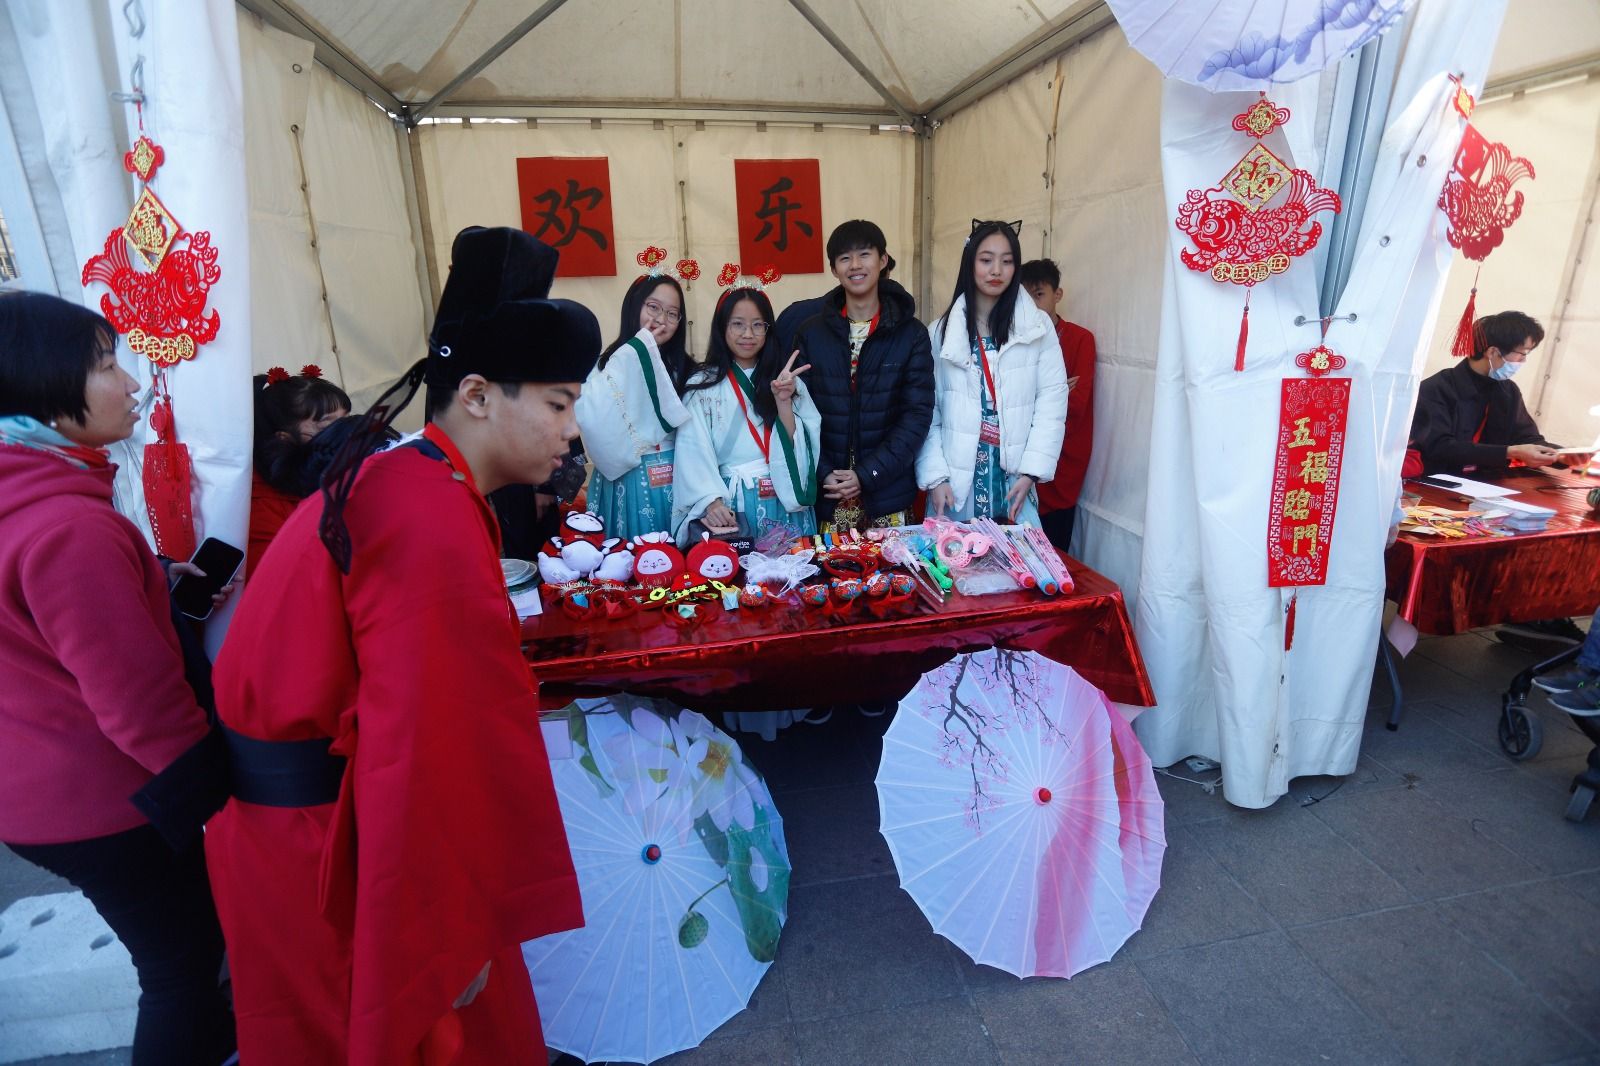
x,y
652,854
1042,795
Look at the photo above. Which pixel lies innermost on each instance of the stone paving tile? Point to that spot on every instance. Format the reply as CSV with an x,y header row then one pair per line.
x,y
1187,802
1368,775
1199,902
1428,848
861,945
1475,656
1295,866
1440,996
1586,884
1424,749
1259,1000
115,1057
768,1047
807,756
1524,814
833,834
1481,726
945,1032
1107,1014
1545,934
20,879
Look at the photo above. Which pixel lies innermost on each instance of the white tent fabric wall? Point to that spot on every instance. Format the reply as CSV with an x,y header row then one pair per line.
x,y
72,136
364,246
471,179
1210,629
1558,130
1104,222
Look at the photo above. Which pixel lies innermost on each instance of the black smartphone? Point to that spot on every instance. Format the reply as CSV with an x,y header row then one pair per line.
x,y
220,561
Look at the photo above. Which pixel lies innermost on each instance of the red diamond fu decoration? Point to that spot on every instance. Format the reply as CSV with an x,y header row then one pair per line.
x,y
143,158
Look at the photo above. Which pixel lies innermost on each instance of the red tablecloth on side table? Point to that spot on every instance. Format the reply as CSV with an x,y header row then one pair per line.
x,y
786,656
1450,586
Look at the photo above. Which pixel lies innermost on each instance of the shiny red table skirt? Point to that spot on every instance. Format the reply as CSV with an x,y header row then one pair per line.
x,y
1450,586
785,656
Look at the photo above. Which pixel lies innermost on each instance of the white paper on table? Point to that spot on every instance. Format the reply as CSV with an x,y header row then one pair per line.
x,y
1521,507
1478,490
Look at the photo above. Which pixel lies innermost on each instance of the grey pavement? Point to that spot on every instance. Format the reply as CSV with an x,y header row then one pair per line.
x,y
1432,907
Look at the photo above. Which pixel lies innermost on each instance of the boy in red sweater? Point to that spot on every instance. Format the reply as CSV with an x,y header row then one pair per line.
x,y
1058,498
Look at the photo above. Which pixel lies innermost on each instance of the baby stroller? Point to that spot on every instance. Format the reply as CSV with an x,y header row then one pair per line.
x,y
1521,735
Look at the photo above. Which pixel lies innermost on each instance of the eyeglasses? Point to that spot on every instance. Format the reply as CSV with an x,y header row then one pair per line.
x,y
655,310
758,328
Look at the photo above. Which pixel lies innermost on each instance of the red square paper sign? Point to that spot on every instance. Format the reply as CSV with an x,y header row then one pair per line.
x,y
566,202
779,203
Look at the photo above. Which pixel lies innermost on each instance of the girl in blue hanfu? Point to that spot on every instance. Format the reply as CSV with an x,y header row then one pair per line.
x,y
630,410
749,447
1000,390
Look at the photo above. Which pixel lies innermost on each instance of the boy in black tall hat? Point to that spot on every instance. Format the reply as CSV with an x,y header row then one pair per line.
x,y
394,835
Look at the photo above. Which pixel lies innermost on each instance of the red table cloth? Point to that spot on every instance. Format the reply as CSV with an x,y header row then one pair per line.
x,y
785,656
1450,586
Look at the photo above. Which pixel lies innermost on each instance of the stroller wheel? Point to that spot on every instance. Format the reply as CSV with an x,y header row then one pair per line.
x,y
1521,733
1578,806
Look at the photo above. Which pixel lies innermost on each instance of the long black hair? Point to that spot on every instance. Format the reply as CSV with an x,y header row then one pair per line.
x,y
719,357
673,353
1006,305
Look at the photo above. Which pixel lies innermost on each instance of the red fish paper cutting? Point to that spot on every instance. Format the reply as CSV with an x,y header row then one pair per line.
x,y
1257,220
1481,205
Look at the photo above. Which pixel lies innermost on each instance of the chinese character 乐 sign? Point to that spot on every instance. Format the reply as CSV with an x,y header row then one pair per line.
x,y
1305,479
566,202
779,204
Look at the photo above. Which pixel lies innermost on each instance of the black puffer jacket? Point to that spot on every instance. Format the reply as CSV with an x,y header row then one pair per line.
x,y
883,421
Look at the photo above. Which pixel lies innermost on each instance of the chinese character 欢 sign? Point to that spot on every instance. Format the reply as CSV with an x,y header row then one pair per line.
x,y
779,203
1305,481
566,202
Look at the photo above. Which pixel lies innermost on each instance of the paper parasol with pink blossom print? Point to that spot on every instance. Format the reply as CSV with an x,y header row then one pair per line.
x,y
1022,813
685,881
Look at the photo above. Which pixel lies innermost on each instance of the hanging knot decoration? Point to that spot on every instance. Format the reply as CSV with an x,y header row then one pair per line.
x,y
651,257
1261,118
688,270
728,274
1320,361
769,276
143,158
1255,221
1480,204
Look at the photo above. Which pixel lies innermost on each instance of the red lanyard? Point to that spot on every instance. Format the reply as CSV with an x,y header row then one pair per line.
x,y
983,358
762,442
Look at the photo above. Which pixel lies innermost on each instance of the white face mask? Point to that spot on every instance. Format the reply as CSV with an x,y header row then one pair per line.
x,y
1505,371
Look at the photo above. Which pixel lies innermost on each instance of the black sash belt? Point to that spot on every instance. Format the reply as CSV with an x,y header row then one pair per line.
x,y
283,773
273,773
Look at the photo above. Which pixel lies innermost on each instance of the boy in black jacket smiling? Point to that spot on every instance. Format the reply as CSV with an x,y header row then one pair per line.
x,y
871,378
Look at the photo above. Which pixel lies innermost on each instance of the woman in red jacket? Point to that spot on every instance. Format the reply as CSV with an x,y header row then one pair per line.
x,y
93,700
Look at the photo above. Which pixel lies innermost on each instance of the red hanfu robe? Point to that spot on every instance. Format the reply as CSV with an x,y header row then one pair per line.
x,y
353,926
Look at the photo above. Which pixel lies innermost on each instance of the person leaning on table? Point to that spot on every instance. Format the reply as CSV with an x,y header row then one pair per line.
x,y
1470,417
93,700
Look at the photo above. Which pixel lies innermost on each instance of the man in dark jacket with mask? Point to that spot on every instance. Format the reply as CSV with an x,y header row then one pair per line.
x,y
1470,417
871,378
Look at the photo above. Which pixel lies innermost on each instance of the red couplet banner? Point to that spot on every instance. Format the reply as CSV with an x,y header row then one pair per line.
x,y
1305,480
779,204
566,202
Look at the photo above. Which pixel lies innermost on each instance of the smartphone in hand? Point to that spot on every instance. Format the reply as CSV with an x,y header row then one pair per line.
x,y
220,561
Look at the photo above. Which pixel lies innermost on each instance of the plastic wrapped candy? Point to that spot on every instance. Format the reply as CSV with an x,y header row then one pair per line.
x,y
779,573
814,595
753,596
902,584
846,589
877,585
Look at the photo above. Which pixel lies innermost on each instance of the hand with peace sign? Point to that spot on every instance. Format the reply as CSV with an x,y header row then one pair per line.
x,y
783,384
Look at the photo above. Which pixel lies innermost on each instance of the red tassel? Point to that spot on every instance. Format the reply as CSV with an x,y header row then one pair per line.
x,y
1462,348
1288,623
1244,335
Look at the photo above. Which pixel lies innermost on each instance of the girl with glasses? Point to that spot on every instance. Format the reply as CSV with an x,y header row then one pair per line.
x,y
630,411
749,447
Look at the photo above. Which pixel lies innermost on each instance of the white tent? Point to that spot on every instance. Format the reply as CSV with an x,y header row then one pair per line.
x,y
374,131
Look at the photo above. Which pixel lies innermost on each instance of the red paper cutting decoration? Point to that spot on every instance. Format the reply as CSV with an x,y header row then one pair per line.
x,y
1478,200
160,276
728,275
1305,479
650,257
1320,360
688,270
1237,236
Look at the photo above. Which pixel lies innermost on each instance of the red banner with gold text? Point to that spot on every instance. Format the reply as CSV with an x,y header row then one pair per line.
x,y
1305,479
